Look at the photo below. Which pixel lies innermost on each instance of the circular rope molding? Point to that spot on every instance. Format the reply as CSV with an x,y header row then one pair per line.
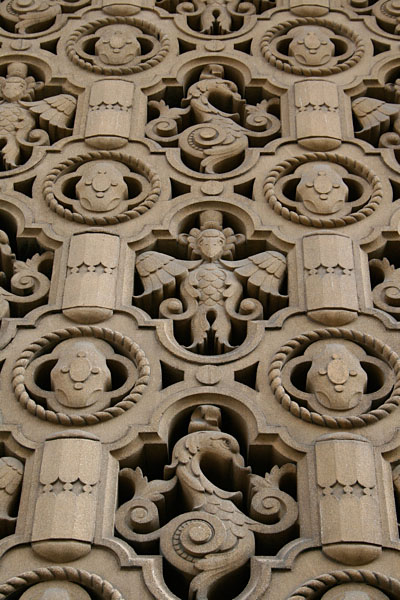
x,y
350,164
286,66
100,586
121,342
89,28
313,588
298,344
133,163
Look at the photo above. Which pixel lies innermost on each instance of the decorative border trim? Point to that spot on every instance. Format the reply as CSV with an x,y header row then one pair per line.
x,y
292,347
133,163
292,163
91,27
314,71
120,341
101,586
313,588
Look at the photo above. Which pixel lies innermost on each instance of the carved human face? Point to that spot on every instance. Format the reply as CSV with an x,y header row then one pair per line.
x,y
13,88
80,374
322,190
311,46
101,187
117,45
211,243
336,377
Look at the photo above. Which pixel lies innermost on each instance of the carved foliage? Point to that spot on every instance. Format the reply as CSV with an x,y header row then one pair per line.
x,y
25,284
214,525
225,124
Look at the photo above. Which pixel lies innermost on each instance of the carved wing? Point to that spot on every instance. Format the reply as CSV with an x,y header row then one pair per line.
x,y
374,116
11,472
159,274
55,112
263,275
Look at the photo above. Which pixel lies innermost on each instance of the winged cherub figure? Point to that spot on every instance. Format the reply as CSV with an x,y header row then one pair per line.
x,y
211,287
17,110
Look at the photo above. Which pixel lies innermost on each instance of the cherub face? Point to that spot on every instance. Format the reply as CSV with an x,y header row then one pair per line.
x,y
211,243
13,88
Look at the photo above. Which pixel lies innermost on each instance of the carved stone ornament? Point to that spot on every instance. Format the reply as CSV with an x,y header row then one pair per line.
x,y
335,391
315,48
49,582
117,46
25,284
215,17
211,285
358,584
30,17
199,299
80,391
101,188
218,140
386,295
214,524
322,183
18,130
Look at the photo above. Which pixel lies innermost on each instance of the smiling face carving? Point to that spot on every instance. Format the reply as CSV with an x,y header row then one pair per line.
x,y
336,376
80,374
101,187
311,46
117,45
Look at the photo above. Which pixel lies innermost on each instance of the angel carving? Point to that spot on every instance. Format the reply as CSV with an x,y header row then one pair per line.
x,y
211,286
18,110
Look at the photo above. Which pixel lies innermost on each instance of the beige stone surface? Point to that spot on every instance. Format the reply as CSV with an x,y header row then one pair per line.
x,y
199,300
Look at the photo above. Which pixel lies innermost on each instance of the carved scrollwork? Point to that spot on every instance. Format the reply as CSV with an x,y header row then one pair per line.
x,y
225,125
101,188
25,284
78,362
331,190
337,370
387,14
20,115
29,18
211,286
214,525
218,17
315,47
386,295
121,46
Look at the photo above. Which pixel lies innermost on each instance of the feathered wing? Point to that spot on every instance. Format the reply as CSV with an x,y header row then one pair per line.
x,y
263,275
55,113
159,274
11,473
374,116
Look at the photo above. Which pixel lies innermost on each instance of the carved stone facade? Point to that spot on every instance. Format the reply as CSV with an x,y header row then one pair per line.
x,y
199,299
